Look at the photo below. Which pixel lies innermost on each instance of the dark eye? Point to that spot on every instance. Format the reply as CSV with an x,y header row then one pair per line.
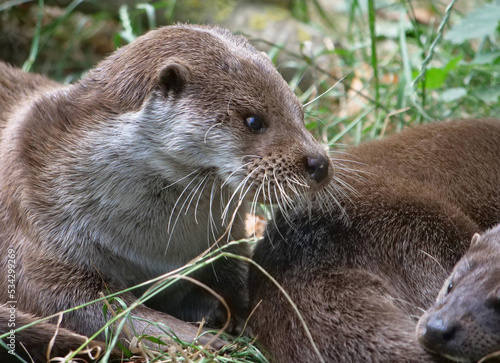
x,y
448,289
255,123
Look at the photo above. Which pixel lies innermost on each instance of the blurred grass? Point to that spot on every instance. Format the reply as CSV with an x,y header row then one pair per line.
x,y
400,68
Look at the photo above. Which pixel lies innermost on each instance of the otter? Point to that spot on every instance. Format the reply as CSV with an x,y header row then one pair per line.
x,y
150,159
36,339
464,323
366,256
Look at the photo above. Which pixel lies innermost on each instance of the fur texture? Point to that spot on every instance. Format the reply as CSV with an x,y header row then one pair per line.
x,y
363,264
464,323
140,167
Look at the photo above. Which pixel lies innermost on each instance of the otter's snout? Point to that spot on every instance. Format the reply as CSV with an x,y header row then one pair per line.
x,y
317,167
438,332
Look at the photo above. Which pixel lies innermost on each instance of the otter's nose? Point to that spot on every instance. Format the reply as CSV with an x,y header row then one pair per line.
x,y
439,332
317,167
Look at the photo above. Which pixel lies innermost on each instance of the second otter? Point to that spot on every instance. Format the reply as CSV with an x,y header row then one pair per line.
x,y
464,323
363,266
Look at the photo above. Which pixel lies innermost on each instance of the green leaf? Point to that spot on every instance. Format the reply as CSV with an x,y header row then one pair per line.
x,y
488,94
435,77
452,94
452,64
124,350
480,23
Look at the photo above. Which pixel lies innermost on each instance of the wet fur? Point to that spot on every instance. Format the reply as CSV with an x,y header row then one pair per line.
x,y
366,258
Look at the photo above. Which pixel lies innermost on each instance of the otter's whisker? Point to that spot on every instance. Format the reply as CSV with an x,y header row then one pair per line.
x,y
240,185
350,172
242,196
240,200
292,187
227,205
435,260
256,198
179,213
267,195
177,202
294,180
212,226
405,302
345,185
198,200
335,200
301,78
211,127
316,118
286,198
181,179
334,191
235,171
326,92
263,185
273,209
277,198
250,156
195,190
348,161
253,207
231,221
277,183
282,193
283,210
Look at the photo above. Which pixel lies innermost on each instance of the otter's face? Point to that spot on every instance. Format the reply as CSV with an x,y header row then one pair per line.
x,y
464,323
236,119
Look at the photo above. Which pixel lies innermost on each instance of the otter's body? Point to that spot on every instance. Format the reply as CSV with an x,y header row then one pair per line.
x,y
464,323
138,168
363,268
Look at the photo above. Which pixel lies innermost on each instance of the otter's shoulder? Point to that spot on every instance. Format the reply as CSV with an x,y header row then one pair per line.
x,y
16,86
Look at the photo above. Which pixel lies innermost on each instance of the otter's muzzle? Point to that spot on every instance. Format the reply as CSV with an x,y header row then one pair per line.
x,y
317,167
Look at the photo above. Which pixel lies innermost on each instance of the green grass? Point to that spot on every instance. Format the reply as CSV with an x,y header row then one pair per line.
x,y
397,73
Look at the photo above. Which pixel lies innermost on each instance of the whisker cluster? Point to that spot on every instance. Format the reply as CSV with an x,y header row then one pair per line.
x,y
281,188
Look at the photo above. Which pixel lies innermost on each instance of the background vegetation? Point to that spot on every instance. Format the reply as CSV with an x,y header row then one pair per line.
x,y
362,68
403,61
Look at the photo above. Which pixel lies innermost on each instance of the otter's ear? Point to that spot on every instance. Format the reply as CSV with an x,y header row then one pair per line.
x,y
265,55
475,239
173,78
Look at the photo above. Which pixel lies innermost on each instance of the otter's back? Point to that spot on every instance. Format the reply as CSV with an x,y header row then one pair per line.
x,y
16,86
457,158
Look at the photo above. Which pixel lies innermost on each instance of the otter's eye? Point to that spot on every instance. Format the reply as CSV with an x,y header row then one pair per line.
x,y
448,289
255,123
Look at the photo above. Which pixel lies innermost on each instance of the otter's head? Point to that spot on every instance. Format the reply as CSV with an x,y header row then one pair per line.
x,y
210,103
464,323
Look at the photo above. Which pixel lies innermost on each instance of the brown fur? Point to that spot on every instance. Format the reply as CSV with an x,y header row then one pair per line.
x,y
464,323
93,190
362,268
33,343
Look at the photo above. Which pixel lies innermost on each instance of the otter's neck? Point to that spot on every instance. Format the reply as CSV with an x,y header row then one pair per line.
x,y
105,184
